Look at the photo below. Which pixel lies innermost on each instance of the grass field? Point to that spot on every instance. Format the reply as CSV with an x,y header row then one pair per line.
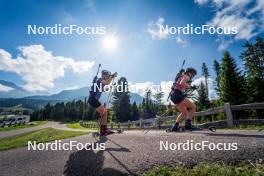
x,y
40,136
209,170
31,124
76,125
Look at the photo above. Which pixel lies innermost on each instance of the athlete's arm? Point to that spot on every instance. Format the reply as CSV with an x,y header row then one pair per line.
x,y
107,81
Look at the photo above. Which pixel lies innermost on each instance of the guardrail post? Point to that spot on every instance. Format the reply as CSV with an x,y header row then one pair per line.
x,y
140,123
229,115
128,124
159,123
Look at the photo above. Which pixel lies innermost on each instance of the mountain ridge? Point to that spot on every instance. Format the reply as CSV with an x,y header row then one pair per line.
x,y
16,96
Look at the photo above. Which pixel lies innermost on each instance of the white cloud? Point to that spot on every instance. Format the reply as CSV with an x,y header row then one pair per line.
x,y
39,68
244,25
246,15
201,2
71,88
182,42
4,88
91,5
223,43
154,29
219,3
68,18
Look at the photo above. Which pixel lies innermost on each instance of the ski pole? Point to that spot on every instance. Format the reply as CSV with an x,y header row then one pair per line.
x,y
110,94
183,64
98,69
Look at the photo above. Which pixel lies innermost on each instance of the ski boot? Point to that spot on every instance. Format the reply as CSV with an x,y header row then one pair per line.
x,y
174,128
104,131
189,126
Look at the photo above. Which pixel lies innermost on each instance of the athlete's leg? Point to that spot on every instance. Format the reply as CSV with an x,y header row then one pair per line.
x,y
103,114
181,116
103,121
190,106
191,110
183,112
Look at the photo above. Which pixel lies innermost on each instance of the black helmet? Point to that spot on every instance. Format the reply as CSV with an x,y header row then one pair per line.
x,y
105,73
191,70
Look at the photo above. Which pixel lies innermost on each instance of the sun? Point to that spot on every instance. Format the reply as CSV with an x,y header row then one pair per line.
x,y
110,43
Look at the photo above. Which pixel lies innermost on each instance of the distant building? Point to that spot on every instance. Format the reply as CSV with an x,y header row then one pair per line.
x,y
26,117
6,113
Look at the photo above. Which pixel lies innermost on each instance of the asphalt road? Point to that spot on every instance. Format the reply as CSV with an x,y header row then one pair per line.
x,y
130,153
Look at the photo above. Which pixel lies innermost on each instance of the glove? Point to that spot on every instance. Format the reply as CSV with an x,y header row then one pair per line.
x,y
114,75
194,87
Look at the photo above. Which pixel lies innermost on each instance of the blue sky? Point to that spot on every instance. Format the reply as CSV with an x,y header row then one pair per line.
x,y
140,56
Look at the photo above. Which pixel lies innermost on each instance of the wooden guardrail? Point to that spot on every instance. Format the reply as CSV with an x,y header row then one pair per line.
x,y
227,109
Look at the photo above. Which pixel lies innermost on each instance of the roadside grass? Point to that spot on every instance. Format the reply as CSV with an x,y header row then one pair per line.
x,y
76,125
92,125
208,170
40,136
30,124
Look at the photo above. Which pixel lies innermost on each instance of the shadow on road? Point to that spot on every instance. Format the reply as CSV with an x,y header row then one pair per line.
x,y
89,163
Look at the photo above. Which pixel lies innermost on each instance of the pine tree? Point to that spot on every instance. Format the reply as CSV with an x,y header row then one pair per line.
x,y
217,72
159,106
253,58
158,98
203,102
231,82
205,74
135,112
47,111
121,102
149,107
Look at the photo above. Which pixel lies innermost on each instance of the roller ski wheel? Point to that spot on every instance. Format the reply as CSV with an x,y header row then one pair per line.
x,y
212,128
95,134
168,130
120,131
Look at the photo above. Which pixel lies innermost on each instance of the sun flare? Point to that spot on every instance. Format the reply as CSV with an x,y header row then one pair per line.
x,y
110,42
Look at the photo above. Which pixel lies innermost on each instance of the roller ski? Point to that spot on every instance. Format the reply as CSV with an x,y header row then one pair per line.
x,y
104,131
183,129
189,127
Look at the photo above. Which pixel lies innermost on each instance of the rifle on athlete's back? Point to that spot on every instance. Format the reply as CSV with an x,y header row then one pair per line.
x,y
178,75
